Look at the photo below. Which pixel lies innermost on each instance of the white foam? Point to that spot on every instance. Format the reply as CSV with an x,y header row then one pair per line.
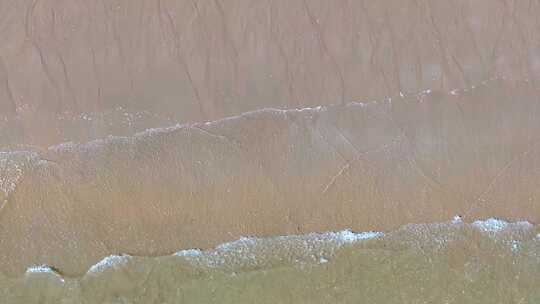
x,y
43,269
40,269
525,225
12,167
515,245
490,225
316,247
347,236
457,220
493,225
342,237
189,253
245,251
111,261
307,109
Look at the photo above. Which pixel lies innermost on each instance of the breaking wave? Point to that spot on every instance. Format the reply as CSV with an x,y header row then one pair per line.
x,y
449,262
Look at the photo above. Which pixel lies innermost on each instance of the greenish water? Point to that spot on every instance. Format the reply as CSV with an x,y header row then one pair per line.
x,y
489,261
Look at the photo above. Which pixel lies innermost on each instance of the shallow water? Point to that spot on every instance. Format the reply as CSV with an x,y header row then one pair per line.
x,y
488,261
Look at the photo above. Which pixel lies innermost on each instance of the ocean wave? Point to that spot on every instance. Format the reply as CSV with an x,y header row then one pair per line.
x,y
468,254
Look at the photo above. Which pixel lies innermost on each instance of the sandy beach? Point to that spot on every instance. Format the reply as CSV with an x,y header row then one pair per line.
x,y
375,166
213,151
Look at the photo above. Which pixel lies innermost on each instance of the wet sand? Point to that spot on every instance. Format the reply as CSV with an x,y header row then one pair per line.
x,y
485,262
373,166
65,63
134,129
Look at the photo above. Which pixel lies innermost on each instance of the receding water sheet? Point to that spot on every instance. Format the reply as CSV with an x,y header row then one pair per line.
x,y
246,151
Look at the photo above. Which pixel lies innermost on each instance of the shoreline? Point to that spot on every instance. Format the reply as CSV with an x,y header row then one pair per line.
x,y
365,167
240,246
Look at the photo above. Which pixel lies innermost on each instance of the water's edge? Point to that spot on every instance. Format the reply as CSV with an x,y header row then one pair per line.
x,y
453,261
